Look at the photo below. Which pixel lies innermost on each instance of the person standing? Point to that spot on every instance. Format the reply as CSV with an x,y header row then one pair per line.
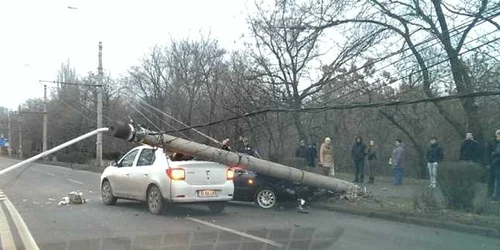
x,y
371,161
434,157
312,153
301,151
470,149
240,145
225,145
249,150
397,160
326,162
358,152
493,163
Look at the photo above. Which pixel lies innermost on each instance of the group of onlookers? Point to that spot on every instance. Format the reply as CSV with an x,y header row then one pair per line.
x,y
366,160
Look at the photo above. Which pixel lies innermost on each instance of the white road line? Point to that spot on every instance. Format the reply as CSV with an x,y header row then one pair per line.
x,y
77,182
233,231
66,169
26,237
43,172
5,233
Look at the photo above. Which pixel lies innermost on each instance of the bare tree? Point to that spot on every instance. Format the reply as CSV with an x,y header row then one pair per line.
x,y
288,54
412,20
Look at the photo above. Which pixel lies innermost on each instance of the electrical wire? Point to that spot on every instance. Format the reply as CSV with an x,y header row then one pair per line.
x,y
390,82
344,107
267,110
456,29
162,120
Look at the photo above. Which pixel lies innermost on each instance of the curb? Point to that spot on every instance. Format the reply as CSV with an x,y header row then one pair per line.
x,y
488,232
74,166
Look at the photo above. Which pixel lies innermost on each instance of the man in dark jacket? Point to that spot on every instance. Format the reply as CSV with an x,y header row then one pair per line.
x,y
312,153
470,150
434,157
493,161
249,150
240,146
301,151
358,152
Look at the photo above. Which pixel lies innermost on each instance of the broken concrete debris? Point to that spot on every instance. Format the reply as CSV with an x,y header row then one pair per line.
x,y
72,198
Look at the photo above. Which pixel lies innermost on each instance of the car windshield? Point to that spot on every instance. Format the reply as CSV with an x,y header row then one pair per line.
x,y
310,124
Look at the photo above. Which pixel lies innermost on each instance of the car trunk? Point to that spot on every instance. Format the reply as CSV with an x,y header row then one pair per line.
x,y
205,173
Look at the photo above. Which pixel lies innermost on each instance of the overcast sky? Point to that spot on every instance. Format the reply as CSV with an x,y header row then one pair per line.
x,y
37,36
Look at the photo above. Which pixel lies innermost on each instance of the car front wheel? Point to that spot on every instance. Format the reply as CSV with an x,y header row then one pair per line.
x,y
266,198
107,193
216,207
156,204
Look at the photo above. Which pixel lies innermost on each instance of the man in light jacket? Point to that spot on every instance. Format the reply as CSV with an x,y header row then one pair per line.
x,y
398,155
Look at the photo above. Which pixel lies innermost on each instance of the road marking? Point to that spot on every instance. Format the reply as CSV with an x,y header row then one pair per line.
x,y
5,233
233,231
77,182
26,237
68,169
43,172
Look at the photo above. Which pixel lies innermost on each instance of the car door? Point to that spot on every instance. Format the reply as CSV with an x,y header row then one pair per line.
x,y
244,184
139,174
120,179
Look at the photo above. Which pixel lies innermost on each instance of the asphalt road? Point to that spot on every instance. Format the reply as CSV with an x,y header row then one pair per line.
x,y
128,225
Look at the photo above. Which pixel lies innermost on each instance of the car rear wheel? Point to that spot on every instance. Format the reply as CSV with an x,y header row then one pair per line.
x,y
266,198
155,201
216,207
107,193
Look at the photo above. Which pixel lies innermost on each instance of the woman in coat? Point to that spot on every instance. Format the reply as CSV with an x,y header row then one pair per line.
x,y
326,158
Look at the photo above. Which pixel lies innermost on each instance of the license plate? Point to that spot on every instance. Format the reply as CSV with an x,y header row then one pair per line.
x,y
207,193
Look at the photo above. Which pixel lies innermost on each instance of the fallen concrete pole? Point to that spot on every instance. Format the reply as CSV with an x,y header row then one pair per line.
x,y
53,150
175,144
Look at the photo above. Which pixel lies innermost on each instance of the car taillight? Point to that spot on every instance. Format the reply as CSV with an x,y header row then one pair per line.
x,y
176,173
229,174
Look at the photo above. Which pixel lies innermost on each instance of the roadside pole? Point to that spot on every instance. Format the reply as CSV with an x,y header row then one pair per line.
x,y
19,119
45,121
99,109
9,147
55,149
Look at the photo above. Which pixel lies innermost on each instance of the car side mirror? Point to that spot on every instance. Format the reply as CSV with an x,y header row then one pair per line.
x,y
114,163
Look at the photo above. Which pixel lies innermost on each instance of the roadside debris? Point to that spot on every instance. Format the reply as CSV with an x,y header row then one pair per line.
x,y
72,198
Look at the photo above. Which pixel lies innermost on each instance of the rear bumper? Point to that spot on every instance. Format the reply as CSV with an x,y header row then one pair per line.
x,y
181,192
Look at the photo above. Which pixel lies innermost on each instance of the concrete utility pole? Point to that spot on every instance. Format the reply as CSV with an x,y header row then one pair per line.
x,y
9,148
99,109
127,132
44,146
19,119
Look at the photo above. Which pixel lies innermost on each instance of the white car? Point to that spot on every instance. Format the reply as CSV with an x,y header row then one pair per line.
x,y
149,174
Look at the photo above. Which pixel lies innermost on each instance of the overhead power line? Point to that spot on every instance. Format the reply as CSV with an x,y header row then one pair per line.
x,y
343,107
326,102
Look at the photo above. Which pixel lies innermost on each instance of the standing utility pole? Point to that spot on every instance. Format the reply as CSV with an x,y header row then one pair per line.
x,y
20,132
44,146
99,109
9,148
